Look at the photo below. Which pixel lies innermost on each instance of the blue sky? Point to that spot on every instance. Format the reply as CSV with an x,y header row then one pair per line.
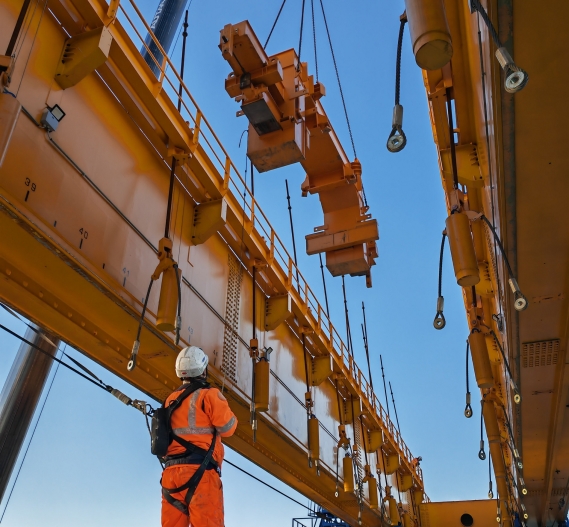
x,y
90,460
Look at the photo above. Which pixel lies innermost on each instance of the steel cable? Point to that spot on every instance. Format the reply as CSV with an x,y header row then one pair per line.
x,y
338,79
440,322
397,139
274,24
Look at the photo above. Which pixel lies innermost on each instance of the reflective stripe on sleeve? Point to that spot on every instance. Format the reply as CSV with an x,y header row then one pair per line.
x,y
226,427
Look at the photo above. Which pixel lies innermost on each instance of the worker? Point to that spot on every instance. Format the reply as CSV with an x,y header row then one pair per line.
x,y
191,485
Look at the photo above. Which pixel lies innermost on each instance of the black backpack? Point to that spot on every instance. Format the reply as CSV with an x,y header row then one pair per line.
x,y
160,430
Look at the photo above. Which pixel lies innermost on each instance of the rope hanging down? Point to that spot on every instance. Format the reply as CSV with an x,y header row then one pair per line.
x,y
468,408
516,77
274,24
440,322
338,79
397,139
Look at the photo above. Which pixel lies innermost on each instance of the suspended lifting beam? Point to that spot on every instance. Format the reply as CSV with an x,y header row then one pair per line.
x,y
288,124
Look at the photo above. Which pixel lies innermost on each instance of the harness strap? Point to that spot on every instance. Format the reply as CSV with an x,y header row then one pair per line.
x,y
192,484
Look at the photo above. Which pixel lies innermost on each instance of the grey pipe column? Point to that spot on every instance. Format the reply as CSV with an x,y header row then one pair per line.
x,y
20,396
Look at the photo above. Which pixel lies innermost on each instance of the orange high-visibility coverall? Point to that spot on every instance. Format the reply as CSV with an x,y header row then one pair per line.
x,y
194,421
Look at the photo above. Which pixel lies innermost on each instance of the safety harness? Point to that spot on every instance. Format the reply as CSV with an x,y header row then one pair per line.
x,y
163,435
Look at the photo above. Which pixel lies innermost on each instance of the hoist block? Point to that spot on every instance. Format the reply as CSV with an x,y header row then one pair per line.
x,y
405,482
209,217
322,368
9,113
278,309
373,440
468,167
83,54
353,408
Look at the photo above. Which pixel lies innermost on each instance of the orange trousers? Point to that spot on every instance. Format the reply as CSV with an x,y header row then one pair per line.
x,y
206,507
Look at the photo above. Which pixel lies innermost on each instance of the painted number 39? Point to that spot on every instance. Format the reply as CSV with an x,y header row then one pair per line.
x,y
32,187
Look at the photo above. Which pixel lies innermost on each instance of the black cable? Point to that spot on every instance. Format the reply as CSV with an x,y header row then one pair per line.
x,y
505,360
274,24
324,285
440,322
451,139
499,242
300,37
170,197
394,408
348,332
184,38
338,78
314,38
490,171
266,484
468,408
107,388
132,362
384,385
397,143
292,234
478,7
31,439
481,453
490,493
179,317
398,62
366,345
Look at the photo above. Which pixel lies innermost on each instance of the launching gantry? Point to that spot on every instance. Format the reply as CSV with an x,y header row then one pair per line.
x,y
287,125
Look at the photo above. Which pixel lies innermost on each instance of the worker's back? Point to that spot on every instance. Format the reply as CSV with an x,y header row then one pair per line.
x,y
199,414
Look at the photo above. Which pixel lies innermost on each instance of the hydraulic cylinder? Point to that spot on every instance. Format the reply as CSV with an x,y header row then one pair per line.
x,y
262,373
348,467
168,303
393,510
372,493
314,439
480,360
430,34
462,250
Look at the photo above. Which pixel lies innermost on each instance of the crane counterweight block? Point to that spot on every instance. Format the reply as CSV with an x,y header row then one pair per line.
x,y
287,125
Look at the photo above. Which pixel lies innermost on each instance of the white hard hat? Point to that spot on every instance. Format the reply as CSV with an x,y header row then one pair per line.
x,y
191,362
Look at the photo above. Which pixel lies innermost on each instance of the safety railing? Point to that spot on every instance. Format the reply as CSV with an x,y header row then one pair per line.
x,y
252,216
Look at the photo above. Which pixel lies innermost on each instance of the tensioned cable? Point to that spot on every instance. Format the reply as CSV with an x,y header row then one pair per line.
x,y
31,438
300,37
338,78
274,24
314,38
468,408
266,484
98,384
